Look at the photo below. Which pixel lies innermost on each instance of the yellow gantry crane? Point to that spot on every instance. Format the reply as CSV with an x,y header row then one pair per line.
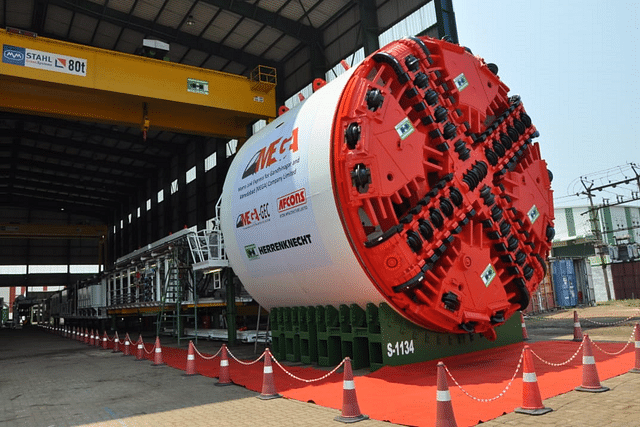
x,y
48,77
45,77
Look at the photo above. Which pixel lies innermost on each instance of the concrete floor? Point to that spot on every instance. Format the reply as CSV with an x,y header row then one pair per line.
x,y
48,381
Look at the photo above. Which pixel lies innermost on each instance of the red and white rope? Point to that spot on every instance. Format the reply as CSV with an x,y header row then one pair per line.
x,y
623,348
153,349
306,380
618,322
244,363
495,397
559,364
207,357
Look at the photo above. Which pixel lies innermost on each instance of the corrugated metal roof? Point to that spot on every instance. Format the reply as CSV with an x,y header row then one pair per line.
x,y
124,5
228,35
146,10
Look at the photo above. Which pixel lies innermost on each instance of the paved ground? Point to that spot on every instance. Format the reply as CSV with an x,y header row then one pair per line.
x,y
618,407
49,381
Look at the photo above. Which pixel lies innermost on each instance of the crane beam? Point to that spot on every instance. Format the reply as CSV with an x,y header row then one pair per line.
x,y
52,78
52,231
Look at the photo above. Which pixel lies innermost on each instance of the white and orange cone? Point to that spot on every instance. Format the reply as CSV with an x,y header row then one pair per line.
x,y
86,335
139,348
105,341
577,329
98,340
116,343
525,335
92,339
126,348
191,361
590,379
531,399
636,333
350,408
268,385
157,355
223,376
444,409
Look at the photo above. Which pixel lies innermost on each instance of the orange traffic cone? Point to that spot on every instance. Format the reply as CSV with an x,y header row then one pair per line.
x,y
590,379
444,409
105,341
157,355
191,361
116,343
577,330
223,377
140,348
350,409
98,340
531,399
86,336
126,350
636,368
525,335
92,339
268,385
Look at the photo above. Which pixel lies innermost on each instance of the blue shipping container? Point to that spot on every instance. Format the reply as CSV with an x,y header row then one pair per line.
x,y
564,282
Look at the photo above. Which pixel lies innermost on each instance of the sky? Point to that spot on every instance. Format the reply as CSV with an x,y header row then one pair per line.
x,y
576,65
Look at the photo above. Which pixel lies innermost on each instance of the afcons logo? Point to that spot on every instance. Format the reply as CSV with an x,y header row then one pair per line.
x,y
271,154
13,55
292,200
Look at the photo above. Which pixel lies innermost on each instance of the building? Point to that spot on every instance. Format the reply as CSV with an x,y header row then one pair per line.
x,y
580,232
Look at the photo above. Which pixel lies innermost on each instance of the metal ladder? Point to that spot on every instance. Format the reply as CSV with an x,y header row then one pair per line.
x,y
170,314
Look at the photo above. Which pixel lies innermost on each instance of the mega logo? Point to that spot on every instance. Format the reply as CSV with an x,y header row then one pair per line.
x,y
13,55
292,200
272,153
253,216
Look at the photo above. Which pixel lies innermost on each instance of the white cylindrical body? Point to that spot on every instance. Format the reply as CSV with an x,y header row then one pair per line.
x,y
280,223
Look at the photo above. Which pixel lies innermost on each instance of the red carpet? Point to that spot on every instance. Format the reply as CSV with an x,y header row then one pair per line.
x,y
407,394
